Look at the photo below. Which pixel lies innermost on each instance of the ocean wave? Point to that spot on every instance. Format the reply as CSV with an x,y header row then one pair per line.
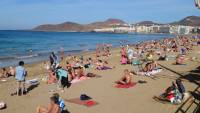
x,y
26,56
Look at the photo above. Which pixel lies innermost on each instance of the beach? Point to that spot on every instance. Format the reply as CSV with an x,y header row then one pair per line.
x,y
138,99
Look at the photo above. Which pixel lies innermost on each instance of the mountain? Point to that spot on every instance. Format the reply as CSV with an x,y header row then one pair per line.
x,y
188,21
147,23
71,26
76,27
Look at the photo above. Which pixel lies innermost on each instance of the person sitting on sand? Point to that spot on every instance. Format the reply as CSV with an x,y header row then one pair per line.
x,y
52,108
52,77
61,102
179,60
20,73
150,66
126,78
149,56
4,73
11,71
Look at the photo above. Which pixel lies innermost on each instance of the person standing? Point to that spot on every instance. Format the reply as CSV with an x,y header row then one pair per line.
x,y
53,60
20,75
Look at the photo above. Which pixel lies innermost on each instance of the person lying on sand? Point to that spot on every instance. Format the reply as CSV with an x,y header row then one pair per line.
x,y
150,66
11,71
52,108
101,66
126,78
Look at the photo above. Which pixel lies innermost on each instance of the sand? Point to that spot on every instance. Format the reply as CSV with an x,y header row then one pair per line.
x,y
111,100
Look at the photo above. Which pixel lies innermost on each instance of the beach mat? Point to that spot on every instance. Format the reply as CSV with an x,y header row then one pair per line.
x,y
87,103
125,86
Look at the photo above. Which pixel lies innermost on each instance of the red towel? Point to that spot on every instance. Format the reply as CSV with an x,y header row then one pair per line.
x,y
90,103
125,86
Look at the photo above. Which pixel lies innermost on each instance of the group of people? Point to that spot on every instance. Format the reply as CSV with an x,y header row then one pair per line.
x,y
174,93
75,67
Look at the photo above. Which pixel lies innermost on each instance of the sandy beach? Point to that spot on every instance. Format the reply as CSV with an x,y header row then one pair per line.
x,y
137,99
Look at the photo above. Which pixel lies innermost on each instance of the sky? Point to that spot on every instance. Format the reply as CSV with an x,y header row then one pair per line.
x,y
27,14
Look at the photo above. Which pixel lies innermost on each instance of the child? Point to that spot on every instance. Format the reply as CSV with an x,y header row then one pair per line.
x,y
126,78
20,77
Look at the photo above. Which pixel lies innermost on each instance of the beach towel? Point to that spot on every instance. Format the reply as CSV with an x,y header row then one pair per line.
x,y
104,68
32,81
87,103
150,73
79,79
126,85
3,80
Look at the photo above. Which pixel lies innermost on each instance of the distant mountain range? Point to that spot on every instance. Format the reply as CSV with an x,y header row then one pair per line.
x,y
75,27
71,26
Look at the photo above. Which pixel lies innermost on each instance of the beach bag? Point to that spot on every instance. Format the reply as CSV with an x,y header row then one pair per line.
x,y
85,97
136,62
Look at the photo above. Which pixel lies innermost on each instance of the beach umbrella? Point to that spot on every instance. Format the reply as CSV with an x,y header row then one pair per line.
x,y
197,3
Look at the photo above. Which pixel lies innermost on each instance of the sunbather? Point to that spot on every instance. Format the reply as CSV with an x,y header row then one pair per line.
x,y
52,77
126,78
52,108
101,66
150,66
179,60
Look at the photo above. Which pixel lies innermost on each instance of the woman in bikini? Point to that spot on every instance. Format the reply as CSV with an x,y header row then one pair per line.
x,y
126,78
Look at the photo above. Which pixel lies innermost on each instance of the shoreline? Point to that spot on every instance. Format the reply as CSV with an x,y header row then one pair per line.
x,y
131,100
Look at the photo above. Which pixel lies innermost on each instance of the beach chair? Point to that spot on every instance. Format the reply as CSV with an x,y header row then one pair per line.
x,y
138,63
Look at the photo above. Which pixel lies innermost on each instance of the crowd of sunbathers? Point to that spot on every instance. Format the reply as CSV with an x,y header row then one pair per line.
x,y
143,53
146,53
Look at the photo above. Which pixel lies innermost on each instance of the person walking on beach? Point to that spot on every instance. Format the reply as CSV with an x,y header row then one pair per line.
x,y
20,75
53,60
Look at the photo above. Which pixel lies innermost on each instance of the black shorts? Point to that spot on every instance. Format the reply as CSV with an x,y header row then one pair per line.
x,y
64,81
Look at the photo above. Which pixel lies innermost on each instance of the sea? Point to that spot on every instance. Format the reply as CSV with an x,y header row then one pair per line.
x,y
35,46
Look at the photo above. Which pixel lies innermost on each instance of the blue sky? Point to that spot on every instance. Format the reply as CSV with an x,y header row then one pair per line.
x,y
26,14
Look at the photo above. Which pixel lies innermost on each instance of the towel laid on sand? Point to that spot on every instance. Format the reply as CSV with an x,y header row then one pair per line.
x,y
150,73
32,81
87,103
79,79
125,86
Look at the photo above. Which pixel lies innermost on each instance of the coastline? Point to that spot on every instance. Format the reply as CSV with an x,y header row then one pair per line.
x,y
132,99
